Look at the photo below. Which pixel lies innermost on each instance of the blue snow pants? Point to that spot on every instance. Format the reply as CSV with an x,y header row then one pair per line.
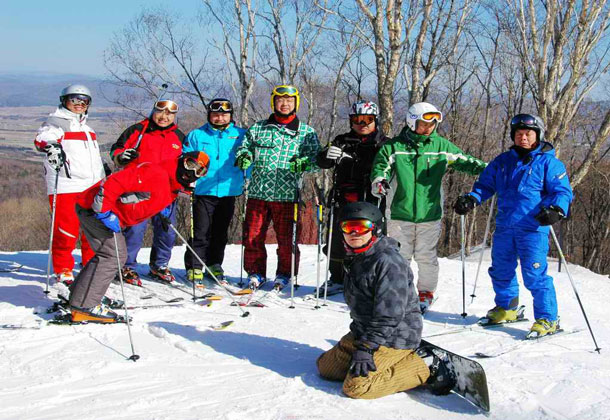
x,y
531,247
163,242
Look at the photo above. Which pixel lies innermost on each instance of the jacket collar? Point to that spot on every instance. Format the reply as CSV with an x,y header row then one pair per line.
x,y
415,139
292,125
207,127
66,114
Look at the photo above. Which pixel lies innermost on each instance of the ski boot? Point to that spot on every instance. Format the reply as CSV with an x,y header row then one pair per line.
x,y
100,314
543,327
219,273
130,276
161,273
65,277
113,303
194,274
500,315
281,281
425,301
255,281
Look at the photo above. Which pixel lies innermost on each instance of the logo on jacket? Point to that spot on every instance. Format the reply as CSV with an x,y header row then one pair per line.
x,y
175,146
536,265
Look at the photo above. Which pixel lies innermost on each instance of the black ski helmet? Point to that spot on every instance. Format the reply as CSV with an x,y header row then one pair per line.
x,y
220,105
527,121
362,210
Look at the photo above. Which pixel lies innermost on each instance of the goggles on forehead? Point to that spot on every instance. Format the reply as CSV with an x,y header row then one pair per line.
x,y
191,164
359,227
362,119
432,116
285,90
220,106
524,119
171,106
78,99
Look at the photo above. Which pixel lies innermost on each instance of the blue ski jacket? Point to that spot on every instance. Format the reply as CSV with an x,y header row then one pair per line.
x,y
223,179
524,185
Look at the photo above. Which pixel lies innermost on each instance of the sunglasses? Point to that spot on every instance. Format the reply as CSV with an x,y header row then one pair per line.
x,y
171,106
220,106
191,164
523,119
286,90
361,119
431,116
359,227
79,99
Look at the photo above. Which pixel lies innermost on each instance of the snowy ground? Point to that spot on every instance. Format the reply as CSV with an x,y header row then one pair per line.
x,y
263,366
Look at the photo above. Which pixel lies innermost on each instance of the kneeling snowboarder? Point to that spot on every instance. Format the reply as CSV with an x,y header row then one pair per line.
x,y
124,199
377,357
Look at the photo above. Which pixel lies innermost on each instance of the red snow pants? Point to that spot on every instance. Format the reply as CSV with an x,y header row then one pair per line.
x,y
66,233
259,214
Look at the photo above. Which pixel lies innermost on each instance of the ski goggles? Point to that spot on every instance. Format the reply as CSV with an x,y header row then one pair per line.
x,y
285,90
432,116
168,105
361,119
359,227
191,164
220,106
78,99
526,120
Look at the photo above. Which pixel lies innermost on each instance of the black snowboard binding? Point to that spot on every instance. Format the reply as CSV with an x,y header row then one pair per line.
x,y
442,378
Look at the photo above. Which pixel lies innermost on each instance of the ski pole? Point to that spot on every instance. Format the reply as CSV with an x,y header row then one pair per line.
x,y
319,198
565,263
463,257
133,356
295,219
243,229
191,212
483,244
145,125
53,212
205,267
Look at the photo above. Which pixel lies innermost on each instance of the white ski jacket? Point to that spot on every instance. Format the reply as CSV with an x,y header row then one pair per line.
x,y
84,166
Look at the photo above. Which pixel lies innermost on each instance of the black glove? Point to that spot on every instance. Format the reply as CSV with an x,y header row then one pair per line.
x,y
362,359
127,156
165,222
549,215
464,204
56,155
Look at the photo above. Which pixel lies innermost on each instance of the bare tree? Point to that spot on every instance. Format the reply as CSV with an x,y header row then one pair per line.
x,y
238,22
563,51
153,48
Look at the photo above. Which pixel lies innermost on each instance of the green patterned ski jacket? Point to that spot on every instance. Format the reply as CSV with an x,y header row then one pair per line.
x,y
271,147
419,164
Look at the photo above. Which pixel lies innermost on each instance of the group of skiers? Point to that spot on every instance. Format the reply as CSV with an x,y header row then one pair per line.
x,y
369,257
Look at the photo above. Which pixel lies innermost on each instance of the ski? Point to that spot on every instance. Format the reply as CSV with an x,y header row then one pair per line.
x,y
312,296
154,295
65,319
524,342
221,326
477,327
160,305
457,374
10,268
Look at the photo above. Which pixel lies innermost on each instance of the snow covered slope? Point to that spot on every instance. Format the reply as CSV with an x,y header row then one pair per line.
x,y
263,366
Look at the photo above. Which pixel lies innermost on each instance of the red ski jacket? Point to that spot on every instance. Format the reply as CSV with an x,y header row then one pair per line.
x,y
136,193
157,143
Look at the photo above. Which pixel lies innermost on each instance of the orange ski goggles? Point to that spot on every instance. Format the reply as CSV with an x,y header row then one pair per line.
x,y
359,227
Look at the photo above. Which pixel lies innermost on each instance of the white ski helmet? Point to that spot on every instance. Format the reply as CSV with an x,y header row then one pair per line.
x,y
423,111
364,108
75,90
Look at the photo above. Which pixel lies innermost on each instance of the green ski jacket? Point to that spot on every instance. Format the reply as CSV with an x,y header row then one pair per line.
x,y
271,146
419,164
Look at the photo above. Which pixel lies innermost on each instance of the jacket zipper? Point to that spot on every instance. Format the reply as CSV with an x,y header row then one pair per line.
x,y
428,167
415,184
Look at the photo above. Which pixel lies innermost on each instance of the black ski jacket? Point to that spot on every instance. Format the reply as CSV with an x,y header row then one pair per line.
x,y
353,174
379,291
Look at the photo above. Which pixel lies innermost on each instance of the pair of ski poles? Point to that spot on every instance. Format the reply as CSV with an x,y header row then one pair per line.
x,y
473,295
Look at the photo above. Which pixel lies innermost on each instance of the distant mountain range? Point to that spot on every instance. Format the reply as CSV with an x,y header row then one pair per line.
x,y
34,89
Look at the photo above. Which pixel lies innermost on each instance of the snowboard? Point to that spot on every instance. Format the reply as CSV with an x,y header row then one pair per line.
x,y
468,377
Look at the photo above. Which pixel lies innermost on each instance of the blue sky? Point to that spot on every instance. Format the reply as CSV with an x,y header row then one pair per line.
x,y
66,36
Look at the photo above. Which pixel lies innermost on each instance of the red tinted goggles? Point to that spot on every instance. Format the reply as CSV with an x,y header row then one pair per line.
x,y
359,227
192,165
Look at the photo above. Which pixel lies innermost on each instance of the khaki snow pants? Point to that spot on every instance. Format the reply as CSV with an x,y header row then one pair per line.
x,y
397,370
419,241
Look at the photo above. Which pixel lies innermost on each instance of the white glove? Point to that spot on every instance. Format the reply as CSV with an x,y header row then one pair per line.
x,y
380,188
334,153
55,155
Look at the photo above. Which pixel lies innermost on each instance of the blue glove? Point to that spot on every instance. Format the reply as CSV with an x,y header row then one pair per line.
x,y
167,211
110,220
362,359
